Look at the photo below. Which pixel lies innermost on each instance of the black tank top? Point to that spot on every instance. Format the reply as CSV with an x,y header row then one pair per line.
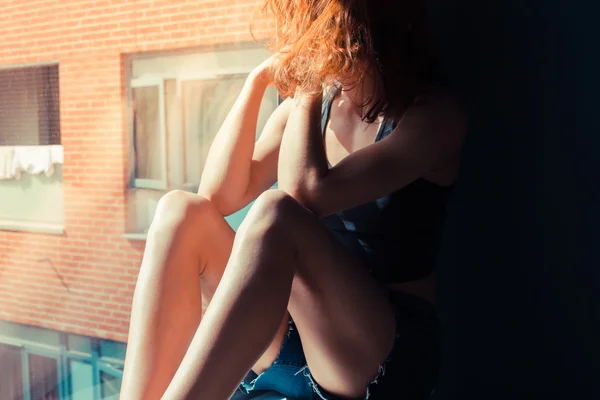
x,y
397,236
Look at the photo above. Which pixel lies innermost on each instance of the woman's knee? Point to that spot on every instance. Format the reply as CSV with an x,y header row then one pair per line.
x,y
267,232
273,210
178,210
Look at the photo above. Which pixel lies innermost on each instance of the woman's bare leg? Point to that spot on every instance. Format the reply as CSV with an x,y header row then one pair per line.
x,y
282,254
188,238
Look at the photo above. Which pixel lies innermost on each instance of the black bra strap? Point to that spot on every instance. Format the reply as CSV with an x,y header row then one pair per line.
x,y
328,97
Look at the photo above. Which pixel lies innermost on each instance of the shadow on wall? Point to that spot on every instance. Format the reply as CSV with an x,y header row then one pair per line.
x,y
519,276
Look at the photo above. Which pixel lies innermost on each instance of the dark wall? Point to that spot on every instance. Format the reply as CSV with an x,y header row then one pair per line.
x,y
520,270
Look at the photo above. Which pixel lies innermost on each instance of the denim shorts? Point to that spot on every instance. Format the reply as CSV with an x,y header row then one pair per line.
x,y
409,373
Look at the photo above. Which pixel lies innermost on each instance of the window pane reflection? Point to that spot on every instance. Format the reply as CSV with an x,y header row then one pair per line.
x,y
11,382
81,380
111,386
43,378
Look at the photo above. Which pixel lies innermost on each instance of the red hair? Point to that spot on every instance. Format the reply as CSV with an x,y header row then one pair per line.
x,y
323,41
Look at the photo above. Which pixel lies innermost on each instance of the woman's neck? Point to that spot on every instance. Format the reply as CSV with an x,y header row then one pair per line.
x,y
355,96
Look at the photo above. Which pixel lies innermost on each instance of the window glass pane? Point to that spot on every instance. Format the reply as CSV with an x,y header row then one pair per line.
x,y
29,333
111,386
175,140
81,380
146,125
43,378
206,103
79,343
112,349
11,378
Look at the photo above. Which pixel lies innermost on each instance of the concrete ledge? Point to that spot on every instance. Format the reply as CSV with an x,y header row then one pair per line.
x,y
135,236
31,226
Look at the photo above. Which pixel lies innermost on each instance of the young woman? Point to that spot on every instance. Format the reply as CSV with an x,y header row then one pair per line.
x,y
325,291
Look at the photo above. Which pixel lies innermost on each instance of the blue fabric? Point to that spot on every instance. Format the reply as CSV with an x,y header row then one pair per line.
x,y
286,375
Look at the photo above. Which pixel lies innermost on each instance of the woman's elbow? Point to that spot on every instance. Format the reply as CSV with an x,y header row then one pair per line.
x,y
307,199
225,205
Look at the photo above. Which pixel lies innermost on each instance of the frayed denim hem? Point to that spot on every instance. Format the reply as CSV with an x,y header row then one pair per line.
x,y
322,394
247,387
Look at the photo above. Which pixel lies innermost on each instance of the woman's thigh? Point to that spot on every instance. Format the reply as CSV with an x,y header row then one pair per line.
x,y
345,320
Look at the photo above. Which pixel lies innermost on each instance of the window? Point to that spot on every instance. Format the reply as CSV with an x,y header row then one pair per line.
x,y
31,157
29,106
178,103
42,364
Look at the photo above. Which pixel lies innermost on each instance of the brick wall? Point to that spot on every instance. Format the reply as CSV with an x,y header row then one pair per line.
x,y
89,39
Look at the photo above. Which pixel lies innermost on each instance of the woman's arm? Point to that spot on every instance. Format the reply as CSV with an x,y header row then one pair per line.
x,y
237,170
303,162
428,136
